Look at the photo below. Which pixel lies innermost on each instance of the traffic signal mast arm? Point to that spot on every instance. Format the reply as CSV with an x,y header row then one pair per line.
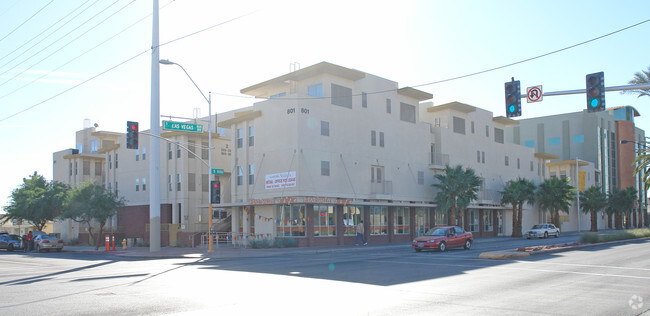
x,y
607,89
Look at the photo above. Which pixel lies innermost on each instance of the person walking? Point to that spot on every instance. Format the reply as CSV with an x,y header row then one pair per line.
x,y
28,240
360,234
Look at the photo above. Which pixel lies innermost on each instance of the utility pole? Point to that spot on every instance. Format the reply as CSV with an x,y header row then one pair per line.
x,y
154,142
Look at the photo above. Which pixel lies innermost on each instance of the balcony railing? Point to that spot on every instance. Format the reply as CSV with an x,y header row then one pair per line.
x,y
437,159
385,187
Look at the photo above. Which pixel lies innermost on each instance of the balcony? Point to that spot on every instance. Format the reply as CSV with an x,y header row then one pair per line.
x,y
380,190
438,161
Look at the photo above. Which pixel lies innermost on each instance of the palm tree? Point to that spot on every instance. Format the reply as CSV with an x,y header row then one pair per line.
x,y
620,202
642,77
457,188
555,195
592,201
516,193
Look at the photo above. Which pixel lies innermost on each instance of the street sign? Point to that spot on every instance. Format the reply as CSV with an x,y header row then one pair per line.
x,y
534,94
217,171
184,127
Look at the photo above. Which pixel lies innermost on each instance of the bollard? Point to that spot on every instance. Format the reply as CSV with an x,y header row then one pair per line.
x,y
124,244
108,246
113,241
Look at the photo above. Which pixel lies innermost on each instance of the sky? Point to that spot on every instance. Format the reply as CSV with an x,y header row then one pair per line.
x,y
64,61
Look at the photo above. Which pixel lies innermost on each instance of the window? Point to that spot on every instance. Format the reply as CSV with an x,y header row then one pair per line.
x,y
191,182
478,156
169,151
205,185
473,220
364,100
459,125
341,96
482,157
378,220
240,138
94,146
98,169
70,168
407,114
498,135
388,106
281,94
110,163
376,174
531,166
324,128
472,127
325,220
291,220
422,222
144,184
315,90
86,168
240,175
251,174
115,160
529,143
554,141
251,136
144,153
401,221
352,215
507,161
324,168
137,185
518,164
579,139
80,148
420,177
381,139
170,181
137,154
205,154
116,190
373,138
178,182
191,146
178,150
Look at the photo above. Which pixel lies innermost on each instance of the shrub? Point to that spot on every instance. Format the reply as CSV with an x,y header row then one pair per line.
x,y
73,242
589,238
618,235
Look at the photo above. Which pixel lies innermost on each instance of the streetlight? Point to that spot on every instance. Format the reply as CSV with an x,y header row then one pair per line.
x,y
209,100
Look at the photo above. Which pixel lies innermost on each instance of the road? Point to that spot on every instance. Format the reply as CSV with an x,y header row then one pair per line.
x,y
606,280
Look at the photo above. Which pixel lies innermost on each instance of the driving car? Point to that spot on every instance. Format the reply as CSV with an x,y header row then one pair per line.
x,y
9,242
542,231
47,242
443,237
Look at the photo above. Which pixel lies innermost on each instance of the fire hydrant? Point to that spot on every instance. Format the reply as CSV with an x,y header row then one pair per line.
x,y
124,244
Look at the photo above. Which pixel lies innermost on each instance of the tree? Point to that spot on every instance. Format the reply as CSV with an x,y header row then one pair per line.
x,y
516,193
36,201
591,201
641,77
457,188
92,202
621,202
555,195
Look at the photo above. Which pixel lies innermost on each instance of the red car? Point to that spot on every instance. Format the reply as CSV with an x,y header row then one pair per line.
x,y
443,237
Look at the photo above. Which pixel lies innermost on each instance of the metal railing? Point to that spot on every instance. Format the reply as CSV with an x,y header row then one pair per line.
x,y
438,159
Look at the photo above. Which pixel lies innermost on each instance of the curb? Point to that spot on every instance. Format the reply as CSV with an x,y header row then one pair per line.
x,y
514,254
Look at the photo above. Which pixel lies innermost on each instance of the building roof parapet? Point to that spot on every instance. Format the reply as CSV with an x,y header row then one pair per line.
x,y
571,162
415,93
457,106
108,148
505,121
240,117
91,156
546,156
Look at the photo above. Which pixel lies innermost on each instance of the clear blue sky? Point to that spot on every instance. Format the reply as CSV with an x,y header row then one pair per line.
x,y
410,42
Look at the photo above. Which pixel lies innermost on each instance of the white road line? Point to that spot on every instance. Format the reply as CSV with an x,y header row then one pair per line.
x,y
583,265
24,263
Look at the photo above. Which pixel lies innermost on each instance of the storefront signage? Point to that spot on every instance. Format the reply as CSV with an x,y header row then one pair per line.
x,y
280,180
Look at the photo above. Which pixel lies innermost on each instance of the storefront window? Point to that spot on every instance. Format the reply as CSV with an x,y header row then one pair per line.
x,y
291,220
488,226
378,220
441,217
402,221
352,215
421,221
324,220
251,218
473,220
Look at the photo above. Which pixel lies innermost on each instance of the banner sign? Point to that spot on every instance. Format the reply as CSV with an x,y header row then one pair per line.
x,y
280,180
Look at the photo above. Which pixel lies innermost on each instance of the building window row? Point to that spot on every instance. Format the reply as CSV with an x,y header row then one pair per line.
x,y
373,138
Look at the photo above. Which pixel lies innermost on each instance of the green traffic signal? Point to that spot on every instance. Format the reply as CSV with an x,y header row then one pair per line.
x,y
595,92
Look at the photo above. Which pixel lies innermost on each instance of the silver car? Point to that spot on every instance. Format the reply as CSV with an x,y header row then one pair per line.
x,y
9,242
542,231
47,242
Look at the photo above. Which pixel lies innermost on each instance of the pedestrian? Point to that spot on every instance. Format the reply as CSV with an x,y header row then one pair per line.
x,y
28,240
360,234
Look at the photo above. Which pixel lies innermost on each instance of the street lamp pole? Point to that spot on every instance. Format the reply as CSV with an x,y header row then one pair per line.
x,y
209,100
154,143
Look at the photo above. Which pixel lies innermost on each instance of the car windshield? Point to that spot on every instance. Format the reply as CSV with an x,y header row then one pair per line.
x,y
437,232
14,237
538,226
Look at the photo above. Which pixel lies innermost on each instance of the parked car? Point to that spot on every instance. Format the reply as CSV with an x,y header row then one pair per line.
x,y
443,237
542,231
47,242
10,242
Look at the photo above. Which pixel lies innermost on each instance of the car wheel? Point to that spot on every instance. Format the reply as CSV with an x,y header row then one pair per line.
x,y
545,235
557,234
442,247
418,250
10,247
38,248
59,249
468,244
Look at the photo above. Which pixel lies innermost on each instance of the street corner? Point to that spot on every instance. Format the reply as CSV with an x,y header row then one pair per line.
x,y
504,255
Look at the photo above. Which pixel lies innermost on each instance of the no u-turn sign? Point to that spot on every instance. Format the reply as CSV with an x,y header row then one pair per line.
x,y
534,94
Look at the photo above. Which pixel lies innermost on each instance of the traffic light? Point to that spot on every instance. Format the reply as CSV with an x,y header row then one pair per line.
x,y
595,92
131,135
513,98
215,192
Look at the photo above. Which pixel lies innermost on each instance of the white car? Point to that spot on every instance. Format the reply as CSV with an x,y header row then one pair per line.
x,y
542,231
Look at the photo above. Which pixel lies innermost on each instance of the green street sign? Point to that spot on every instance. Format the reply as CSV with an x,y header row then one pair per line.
x,y
184,127
217,171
